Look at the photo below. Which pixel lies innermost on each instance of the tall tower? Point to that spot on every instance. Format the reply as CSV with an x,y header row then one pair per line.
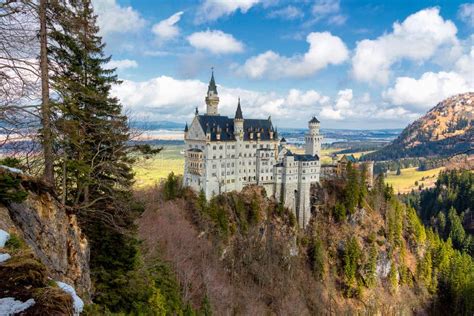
x,y
313,138
212,99
238,122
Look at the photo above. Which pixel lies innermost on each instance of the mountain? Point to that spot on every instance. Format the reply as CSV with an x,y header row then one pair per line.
x,y
446,130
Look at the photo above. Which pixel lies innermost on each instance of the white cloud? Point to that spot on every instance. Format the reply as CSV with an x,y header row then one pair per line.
x,y
324,49
114,18
212,10
287,13
363,110
325,7
425,92
466,13
417,38
167,98
168,28
216,42
328,10
122,64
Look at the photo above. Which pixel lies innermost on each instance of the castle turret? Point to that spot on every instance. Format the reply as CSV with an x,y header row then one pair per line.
x,y
212,98
238,122
186,129
283,142
313,138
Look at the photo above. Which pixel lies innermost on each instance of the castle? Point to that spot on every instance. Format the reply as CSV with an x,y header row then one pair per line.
x,y
223,154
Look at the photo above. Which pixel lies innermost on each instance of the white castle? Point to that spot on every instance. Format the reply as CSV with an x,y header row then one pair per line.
x,y
223,154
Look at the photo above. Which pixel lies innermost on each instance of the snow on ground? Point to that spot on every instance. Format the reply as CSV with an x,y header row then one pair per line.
x,y
4,257
10,306
15,170
4,236
78,303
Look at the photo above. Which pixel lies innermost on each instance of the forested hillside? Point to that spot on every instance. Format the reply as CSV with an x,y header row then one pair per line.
x,y
446,130
365,251
448,208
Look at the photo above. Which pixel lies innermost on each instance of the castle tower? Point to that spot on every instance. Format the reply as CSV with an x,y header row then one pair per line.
x,y
212,99
313,138
238,122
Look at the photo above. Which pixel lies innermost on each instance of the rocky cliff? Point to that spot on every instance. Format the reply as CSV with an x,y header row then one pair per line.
x,y
52,236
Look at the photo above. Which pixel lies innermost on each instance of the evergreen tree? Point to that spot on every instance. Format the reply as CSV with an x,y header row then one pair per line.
x,y
93,130
95,168
352,189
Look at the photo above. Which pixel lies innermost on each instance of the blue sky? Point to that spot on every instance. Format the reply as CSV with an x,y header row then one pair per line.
x,y
354,64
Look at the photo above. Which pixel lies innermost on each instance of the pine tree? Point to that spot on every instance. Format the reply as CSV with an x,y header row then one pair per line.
x,y
92,127
92,146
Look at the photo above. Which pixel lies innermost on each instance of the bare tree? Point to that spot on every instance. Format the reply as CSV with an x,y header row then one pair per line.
x,y
19,77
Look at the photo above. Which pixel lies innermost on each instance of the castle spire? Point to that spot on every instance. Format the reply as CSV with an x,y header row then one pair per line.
x,y
186,128
212,99
212,84
238,112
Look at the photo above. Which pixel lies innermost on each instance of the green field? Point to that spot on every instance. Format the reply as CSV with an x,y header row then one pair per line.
x,y
405,182
151,171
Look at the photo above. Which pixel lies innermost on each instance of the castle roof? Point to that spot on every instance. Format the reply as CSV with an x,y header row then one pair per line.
x,y
350,158
238,112
186,127
213,123
314,120
306,158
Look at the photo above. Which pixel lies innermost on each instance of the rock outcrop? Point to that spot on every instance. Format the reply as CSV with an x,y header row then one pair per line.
x,y
53,235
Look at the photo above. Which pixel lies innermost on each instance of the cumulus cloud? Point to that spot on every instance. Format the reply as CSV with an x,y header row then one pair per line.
x,y
121,64
428,90
216,42
168,28
287,13
417,38
114,18
466,13
167,98
211,10
324,49
348,108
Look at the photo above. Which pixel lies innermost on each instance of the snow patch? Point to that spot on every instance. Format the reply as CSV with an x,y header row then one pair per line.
x,y
4,257
10,306
4,236
77,301
14,170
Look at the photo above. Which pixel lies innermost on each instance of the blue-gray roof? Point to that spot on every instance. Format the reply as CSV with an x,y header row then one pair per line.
x,y
306,158
214,123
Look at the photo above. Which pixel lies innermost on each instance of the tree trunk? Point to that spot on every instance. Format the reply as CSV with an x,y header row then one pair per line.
x,y
47,140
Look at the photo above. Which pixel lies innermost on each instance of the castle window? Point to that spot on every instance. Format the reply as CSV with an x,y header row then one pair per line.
x,y
246,146
254,146
214,147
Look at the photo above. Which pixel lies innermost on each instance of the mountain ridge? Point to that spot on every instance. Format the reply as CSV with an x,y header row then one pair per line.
x,y
445,130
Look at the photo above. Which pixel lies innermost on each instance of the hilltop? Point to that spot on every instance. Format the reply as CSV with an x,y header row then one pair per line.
x,y
446,130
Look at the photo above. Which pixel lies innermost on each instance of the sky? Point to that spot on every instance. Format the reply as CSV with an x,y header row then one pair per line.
x,y
355,64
